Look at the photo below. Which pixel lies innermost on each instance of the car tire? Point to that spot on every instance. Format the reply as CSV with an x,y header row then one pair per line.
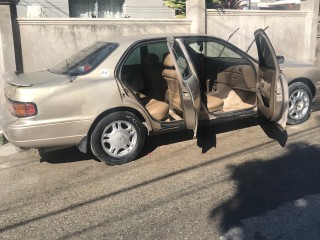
x,y
300,99
118,138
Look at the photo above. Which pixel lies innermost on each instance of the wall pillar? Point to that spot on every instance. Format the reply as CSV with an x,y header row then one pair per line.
x,y
312,7
196,11
7,44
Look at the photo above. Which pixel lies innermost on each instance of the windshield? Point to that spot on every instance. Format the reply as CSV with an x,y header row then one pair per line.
x,y
85,60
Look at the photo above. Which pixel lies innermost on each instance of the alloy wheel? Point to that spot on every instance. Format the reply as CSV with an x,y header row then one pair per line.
x,y
298,104
119,138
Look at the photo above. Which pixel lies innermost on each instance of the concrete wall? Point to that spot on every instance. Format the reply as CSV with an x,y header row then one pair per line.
x,y
310,28
287,30
318,43
196,11
48,41
7,55
292,33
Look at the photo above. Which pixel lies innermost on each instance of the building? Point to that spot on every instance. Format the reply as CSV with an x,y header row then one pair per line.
x,y
94,9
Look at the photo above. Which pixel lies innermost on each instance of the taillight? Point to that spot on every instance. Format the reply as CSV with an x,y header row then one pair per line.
x,y
22,109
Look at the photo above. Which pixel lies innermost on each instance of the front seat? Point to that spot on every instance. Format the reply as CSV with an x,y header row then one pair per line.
x,y
170,75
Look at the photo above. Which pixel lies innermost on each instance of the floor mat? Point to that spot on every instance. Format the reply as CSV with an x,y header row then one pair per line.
x,y
238,100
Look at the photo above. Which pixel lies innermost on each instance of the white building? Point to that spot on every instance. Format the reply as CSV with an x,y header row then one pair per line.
x,y
94,9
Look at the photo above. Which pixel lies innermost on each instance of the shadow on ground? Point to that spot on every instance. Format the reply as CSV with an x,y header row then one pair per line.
x,y
66,155
206,139
206,136
266,185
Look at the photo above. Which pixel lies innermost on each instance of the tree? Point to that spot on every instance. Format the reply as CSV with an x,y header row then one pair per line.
x,y
178,5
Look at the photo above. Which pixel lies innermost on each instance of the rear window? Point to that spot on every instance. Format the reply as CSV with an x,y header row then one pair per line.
x,y
85,60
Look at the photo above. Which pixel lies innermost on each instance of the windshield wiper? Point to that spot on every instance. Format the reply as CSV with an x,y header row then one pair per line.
x,y
255,40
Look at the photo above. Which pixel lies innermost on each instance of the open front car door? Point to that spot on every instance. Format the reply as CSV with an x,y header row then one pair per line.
x,y
188,82
272,87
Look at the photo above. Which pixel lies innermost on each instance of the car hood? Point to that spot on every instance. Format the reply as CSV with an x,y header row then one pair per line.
x,y
34,78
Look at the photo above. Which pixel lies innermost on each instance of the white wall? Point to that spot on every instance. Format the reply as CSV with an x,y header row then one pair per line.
x,y
287,30
318,43
7,57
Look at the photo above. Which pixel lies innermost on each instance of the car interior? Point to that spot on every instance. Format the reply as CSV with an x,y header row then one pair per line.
x,y
227,80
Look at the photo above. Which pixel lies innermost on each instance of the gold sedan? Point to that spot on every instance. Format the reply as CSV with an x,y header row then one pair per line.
x,y
108,97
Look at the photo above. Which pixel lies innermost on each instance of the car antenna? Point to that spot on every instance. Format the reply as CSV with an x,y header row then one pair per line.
x,y
255,40
69,71
228,40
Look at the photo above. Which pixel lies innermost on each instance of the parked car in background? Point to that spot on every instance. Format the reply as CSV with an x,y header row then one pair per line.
x,y
109,96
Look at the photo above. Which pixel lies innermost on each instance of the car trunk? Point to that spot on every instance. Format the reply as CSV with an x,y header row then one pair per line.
x,y
34,78
14,81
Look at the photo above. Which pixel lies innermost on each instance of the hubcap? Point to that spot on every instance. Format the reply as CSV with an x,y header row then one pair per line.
x,y
298,104
119,138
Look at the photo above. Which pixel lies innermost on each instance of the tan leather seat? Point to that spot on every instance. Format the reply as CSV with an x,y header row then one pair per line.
x,y
170,75
157,109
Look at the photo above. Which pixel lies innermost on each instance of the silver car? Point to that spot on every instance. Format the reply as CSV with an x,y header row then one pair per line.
x,y
108,97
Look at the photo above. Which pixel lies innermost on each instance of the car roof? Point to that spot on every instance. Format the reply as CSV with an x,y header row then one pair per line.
x,y
136,38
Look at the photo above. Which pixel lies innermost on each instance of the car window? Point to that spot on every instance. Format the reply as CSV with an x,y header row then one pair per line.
x,y
181,61
265,56
134,58
133,68
211,49
159,49
85,60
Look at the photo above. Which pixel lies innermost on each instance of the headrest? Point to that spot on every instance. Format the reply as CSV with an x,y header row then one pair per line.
x,y
151,59
168,61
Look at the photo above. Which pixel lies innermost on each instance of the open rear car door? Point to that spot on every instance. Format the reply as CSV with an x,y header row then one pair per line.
x,y
272,87
189,83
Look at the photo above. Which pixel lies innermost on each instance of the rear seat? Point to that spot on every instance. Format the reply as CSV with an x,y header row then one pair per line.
x,y
157,109
155,86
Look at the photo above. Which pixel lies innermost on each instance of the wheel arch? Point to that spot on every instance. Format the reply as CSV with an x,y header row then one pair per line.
x,y
84,143
117,109
307,82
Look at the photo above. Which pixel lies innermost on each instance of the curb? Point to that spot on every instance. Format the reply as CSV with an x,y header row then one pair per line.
x,y
8,149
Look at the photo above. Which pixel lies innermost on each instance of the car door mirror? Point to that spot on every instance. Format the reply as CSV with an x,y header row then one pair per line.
x,y
280,59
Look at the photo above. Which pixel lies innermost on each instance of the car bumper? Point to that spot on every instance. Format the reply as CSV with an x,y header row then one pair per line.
x,y
28,133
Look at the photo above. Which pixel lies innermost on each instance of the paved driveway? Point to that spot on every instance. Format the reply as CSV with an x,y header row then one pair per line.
x,y
245,181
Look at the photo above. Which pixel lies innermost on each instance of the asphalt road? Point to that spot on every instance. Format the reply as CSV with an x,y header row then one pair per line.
x,y
238,181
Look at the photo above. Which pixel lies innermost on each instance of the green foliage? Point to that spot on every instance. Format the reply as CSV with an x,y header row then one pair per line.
x,y
224,4
179,5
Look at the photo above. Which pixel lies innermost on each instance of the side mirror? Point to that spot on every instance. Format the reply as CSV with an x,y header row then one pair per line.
x,y
280,59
